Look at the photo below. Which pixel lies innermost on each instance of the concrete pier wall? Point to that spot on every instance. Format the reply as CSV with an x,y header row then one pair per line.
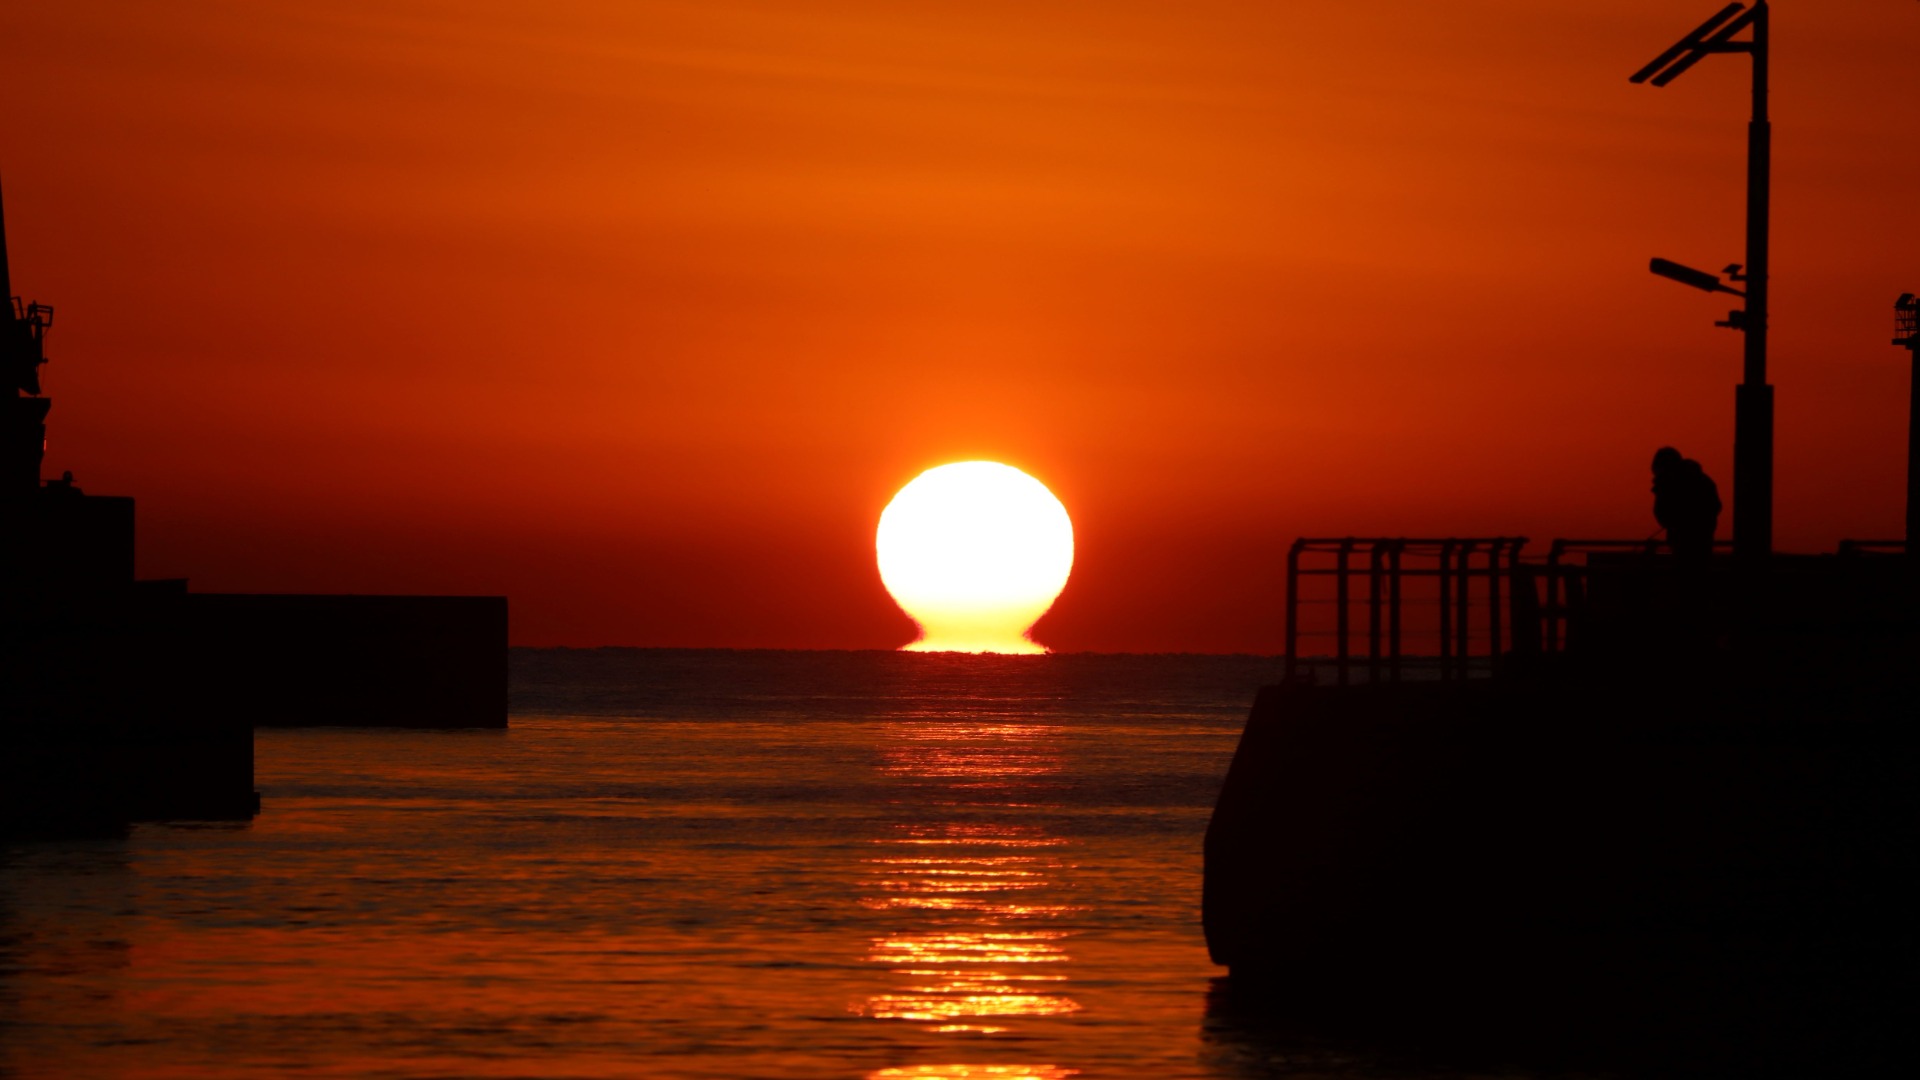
x,y
399,661
105,720
1567,833
138,703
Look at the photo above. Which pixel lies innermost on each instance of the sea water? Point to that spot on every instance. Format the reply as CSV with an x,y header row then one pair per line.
x,y
673,864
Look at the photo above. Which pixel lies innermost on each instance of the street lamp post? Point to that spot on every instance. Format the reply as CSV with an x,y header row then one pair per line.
x,y
1753,397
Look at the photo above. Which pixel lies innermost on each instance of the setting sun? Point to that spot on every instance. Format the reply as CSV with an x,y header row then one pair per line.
x,y
975,552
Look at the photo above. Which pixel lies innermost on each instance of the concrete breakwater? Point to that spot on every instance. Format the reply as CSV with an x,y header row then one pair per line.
x,y
139,703
356,660
125,700
1576,848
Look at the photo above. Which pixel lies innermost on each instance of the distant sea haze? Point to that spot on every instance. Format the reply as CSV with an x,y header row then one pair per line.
x,y
675,863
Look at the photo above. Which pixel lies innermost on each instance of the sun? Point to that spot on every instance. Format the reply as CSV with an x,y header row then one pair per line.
x,y
975,552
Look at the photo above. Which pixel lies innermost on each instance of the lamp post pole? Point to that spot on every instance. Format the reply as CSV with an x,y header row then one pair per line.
x,y
1753,398
1913,451
1906,328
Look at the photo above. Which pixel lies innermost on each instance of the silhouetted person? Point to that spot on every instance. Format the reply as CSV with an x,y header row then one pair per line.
x,y
1686,503
63,488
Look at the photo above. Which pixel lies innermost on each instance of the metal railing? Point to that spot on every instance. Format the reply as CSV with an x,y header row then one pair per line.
x,y
1455,565
1565,580
1484,599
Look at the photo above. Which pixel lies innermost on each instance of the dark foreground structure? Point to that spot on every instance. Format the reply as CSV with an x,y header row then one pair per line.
x,y
125,700
1694,823
1630,806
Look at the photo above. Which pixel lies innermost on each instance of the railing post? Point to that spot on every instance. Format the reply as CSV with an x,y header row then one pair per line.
x,y
1493,597
1293,610
1575,600
1553,612
1446,609
1340,605
1463,609
1514,576
1375,552
1393,608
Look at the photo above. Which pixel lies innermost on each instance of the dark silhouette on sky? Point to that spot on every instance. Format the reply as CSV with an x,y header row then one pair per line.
x,y
1686,503
1753,397
125,700
23,332
1906,334
1682,831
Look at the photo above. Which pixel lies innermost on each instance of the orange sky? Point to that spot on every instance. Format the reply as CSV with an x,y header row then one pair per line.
x,y
638,312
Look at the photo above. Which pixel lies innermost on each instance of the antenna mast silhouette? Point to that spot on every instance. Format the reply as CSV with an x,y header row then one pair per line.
x,y
6,279
23,420
1753,398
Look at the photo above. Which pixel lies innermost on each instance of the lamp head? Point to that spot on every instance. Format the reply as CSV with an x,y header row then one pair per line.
x,y
1687,275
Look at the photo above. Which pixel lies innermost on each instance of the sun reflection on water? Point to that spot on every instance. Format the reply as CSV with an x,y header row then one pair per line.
x,y
974,1072
974,961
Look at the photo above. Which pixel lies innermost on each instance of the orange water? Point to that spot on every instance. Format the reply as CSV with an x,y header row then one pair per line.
x,y
674,864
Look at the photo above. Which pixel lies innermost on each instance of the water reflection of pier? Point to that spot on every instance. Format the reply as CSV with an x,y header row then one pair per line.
x,y
973,878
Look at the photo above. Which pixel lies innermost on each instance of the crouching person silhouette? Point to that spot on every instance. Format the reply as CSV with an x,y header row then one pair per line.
x,y
1686,503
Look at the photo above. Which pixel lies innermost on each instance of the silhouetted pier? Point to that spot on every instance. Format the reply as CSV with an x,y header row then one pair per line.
x,y
125,700
1616,796
1378,576
1697,801
1384,609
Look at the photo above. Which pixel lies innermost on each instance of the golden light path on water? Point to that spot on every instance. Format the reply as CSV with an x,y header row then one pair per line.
x,y
684,865
991,959
976,1073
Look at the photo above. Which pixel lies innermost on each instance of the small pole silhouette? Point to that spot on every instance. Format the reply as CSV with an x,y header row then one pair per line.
x,y
6,277
23,420
1753,398
1906,333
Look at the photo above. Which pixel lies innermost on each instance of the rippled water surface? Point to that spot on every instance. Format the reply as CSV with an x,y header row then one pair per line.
x,y
698,864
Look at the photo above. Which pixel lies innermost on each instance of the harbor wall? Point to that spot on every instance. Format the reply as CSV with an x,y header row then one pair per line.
x,y
289,660
105,718
138,703
1554,834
